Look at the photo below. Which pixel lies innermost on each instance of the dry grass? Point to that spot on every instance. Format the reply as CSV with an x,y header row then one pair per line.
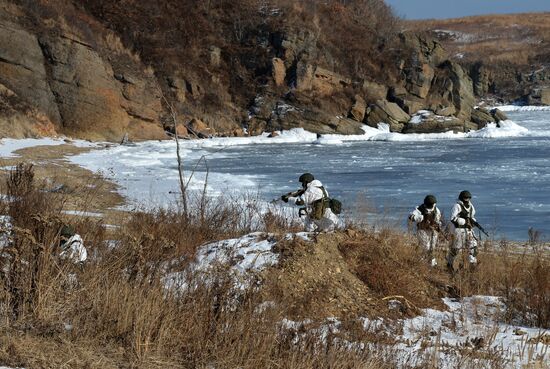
x,y
389,266
514,38
117,312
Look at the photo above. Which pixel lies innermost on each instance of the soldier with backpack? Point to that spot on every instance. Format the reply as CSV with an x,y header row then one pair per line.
x,y
463,219
319,215
428,226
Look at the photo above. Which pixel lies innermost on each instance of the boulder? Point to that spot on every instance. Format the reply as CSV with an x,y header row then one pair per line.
x,y
238,132
318,80
358,109
314,120
482,117
345,126
256,126
197,125
452,86
384,111
428,122
498,115
409,103
182,130
445,111
375,91
278,71
225,121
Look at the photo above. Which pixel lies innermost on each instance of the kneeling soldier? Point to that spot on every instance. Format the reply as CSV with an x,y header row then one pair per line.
x,y
315,199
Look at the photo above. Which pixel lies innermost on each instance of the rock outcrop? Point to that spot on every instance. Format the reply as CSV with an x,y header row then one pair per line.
x,y
358,109
22,68
87,69
384,111
76,87
428,122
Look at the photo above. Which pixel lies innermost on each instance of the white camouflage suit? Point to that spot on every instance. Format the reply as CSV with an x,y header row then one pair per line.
x,y
463,235
312,193
426,234
74,250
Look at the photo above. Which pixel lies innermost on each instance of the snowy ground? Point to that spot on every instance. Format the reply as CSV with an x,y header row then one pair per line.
x,y
470,330
9,145
245,256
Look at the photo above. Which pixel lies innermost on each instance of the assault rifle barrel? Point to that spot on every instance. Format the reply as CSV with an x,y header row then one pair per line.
x,y
476,224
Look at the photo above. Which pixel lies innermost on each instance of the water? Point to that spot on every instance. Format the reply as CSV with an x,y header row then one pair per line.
x,y
509,177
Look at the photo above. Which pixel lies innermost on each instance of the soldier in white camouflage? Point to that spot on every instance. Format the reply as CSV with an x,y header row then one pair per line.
x,y
428,226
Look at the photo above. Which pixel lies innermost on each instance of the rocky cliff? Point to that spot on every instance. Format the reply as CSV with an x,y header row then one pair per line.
x,y
99,69
507,56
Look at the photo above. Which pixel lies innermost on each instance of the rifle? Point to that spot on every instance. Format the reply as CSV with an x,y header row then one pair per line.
x,y
297,193
476,224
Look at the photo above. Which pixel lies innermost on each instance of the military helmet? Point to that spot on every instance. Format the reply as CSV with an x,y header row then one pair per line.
x,y
464,195
306,178
430,201
67,231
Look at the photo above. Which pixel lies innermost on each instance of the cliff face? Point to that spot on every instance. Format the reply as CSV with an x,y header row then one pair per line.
x,y
64,73
99,69
507,56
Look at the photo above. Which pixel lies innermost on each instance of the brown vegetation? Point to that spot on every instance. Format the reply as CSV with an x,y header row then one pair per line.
x,y
515,38
169,35
115,311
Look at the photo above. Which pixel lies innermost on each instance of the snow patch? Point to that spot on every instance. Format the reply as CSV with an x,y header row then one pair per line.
x,y
9,145
522,108
244,256
470,331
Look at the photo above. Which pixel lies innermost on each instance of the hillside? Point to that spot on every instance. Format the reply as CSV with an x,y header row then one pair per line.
x,y
507,55
99,69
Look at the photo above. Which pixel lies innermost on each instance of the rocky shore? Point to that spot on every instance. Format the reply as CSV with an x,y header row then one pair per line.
x,y
66,69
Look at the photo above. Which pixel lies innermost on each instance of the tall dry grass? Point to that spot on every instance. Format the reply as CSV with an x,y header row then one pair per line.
x,y
116,311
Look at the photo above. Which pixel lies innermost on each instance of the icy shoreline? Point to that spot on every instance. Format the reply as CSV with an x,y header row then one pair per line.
x,y
296,135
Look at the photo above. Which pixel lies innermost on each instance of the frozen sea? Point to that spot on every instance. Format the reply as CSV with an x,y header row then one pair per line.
x,y
378,176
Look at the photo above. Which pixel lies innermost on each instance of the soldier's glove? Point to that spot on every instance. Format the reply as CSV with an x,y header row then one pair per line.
x,y
302,212
284,198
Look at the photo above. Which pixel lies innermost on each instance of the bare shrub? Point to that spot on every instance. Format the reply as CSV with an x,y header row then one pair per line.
x,y
390,267
527,290
521,277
